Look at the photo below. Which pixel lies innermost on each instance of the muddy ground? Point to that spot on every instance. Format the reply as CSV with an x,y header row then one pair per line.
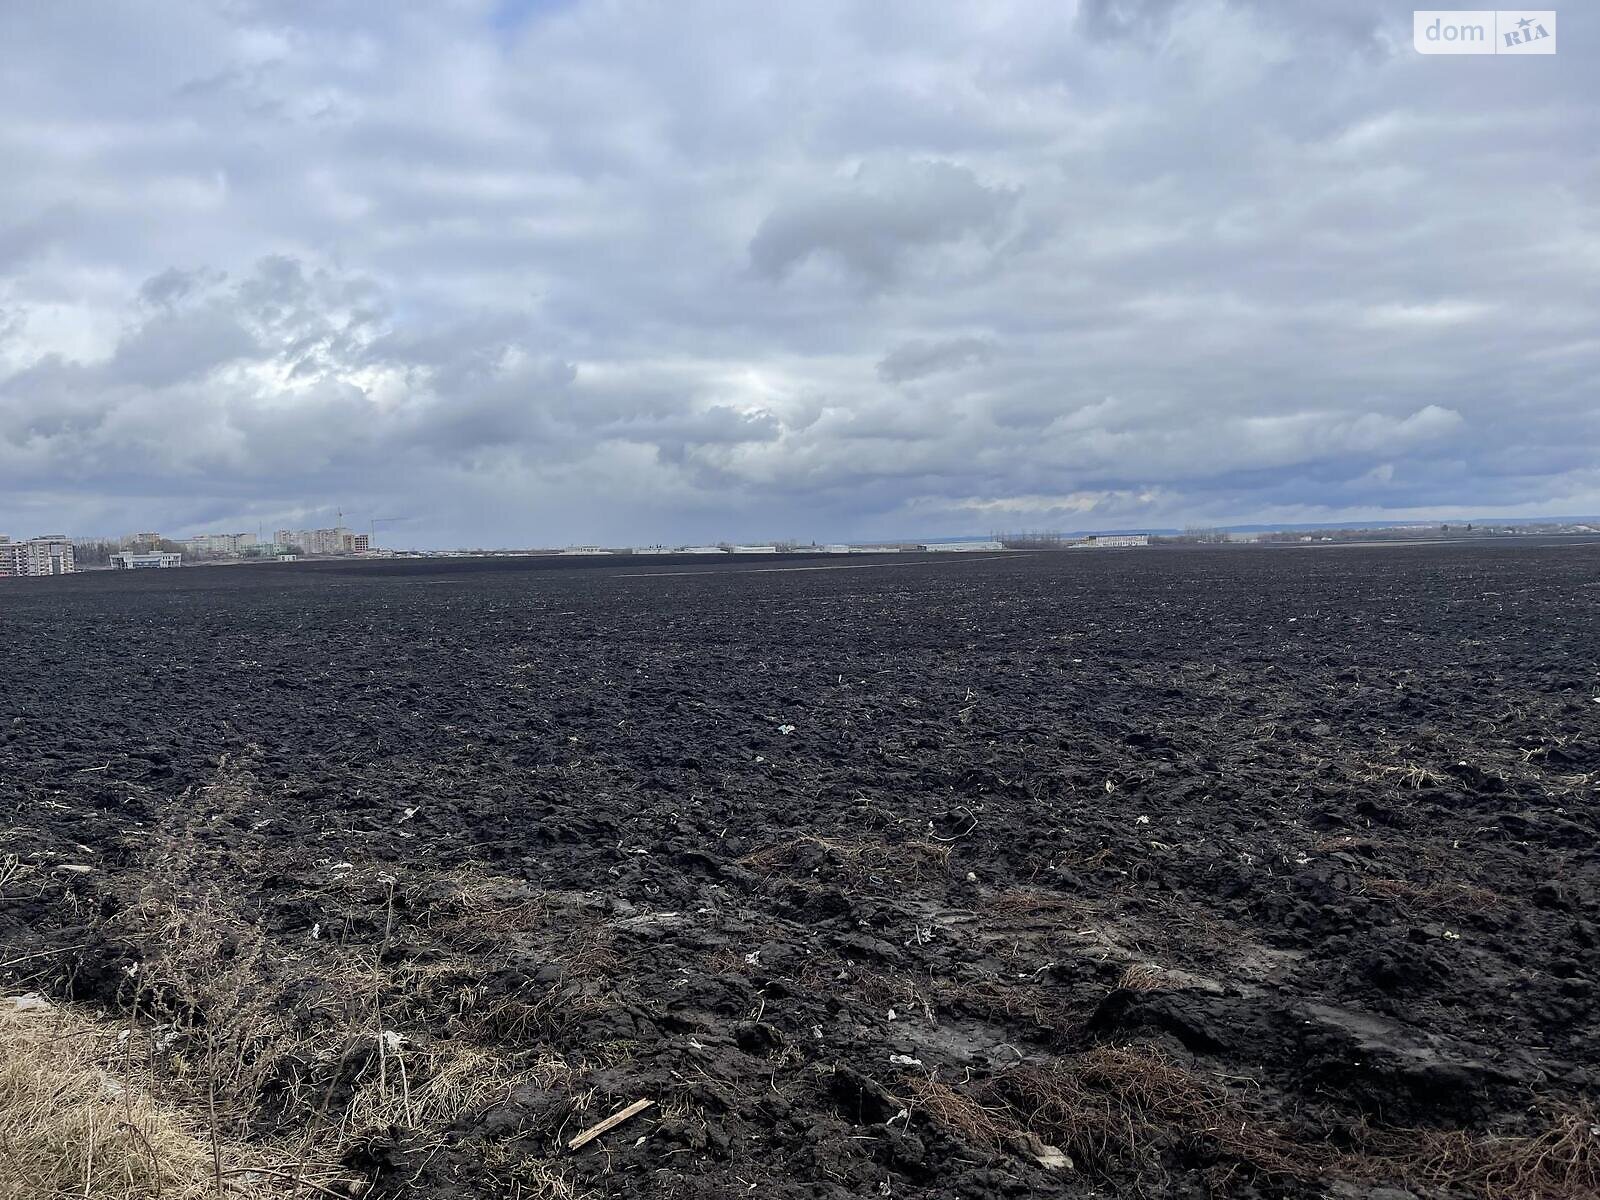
x,y
1154,872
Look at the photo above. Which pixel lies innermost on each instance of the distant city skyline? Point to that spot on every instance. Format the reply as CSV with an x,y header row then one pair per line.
x,y
342,540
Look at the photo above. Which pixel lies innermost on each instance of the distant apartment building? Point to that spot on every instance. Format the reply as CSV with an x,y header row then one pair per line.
x,y
140,539
48,554
337,540
144,560
220,543
1102,540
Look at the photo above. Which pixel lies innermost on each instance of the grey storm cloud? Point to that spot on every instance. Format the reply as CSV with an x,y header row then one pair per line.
x,y
1123,18
915,359
607,272
872,223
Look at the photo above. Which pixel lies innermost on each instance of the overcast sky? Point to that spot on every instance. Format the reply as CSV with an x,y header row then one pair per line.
x,y
539,272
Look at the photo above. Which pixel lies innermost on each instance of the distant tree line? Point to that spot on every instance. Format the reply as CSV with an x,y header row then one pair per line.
x,y
1034,539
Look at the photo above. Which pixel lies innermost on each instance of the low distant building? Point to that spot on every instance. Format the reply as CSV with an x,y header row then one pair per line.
x,y
48,554
1102,541
135,560
585,550
700,550
960,547
755,549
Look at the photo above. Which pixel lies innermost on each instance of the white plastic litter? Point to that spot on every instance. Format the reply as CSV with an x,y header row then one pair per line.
x,y
1047,1156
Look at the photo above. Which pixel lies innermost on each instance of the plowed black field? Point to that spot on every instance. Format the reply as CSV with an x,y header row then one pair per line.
x,y
1262,872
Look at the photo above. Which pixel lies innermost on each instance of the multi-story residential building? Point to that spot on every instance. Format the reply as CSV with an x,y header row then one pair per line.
x,y
337,540
220,543
47,554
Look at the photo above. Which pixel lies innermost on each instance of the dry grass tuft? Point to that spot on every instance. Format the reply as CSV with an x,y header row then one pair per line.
x,y
77,1121
993,998
1123,1107
477,911
1346,841
1407,775
975,1124
311,1043
436,1084
1028,902
1128,1108
1560,1162
533,1178
1431,897
1143,977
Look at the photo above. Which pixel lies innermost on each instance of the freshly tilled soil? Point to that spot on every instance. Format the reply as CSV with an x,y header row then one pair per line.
x,y
1156,872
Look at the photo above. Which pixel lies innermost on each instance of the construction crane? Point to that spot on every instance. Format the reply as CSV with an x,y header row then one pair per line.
x,y
374,522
